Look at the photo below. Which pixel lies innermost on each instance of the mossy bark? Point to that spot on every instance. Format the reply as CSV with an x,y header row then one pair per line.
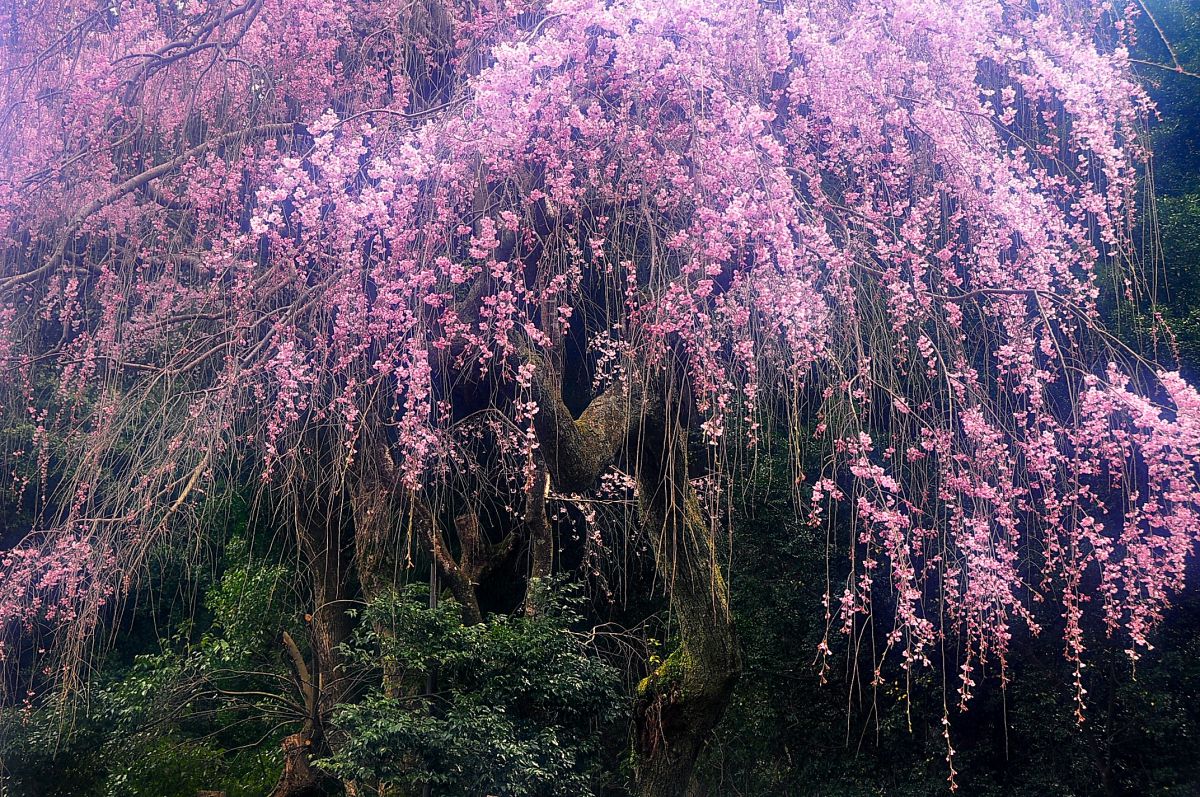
x,y
679,705
681,702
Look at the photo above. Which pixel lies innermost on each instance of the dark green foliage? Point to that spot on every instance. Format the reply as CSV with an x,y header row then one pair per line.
x,y
1177,133
172,721
116,750
516,709
1172,233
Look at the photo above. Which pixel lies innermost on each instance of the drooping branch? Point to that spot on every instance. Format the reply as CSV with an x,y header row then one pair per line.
x,y
724,225
133,184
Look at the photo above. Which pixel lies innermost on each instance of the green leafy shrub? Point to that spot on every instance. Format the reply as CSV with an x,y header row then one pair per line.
x,y
515,709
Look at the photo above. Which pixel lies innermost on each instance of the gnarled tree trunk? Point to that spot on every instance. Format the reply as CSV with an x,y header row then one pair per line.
x,y
681,702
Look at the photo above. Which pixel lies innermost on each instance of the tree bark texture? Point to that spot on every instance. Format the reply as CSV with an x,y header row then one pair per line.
x,y
682,700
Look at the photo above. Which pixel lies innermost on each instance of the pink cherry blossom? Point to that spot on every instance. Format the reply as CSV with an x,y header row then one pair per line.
x,y
876,228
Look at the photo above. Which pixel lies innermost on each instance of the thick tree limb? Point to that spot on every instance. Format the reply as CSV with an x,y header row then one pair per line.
x,y
577,450
304,681
541,535
682,701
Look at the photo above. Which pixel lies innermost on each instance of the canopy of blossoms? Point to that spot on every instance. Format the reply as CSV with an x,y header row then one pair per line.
x,y
879,231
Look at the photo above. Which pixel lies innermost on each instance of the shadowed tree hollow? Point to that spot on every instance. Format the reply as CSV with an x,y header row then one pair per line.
x,y
472,292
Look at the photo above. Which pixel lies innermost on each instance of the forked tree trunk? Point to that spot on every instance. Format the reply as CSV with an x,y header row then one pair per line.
x,y
680,703
298,778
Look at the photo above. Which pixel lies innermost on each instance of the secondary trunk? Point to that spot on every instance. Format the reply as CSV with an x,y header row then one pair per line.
x,y
681,701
